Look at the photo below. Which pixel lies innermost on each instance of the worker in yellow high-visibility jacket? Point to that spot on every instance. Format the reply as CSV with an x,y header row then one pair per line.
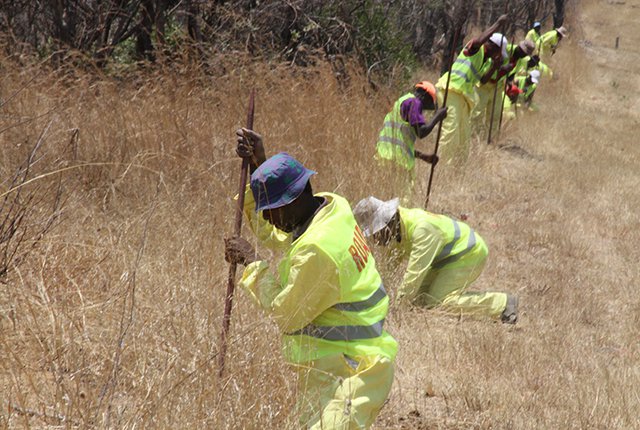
x,y
327,298
486,88
465,74
445,257
520,55
527,85
403,125
534,35
510,101
549,41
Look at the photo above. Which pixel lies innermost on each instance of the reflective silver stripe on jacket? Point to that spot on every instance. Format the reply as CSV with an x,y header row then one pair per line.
x,y
362,305
443,258
395,141
405,129
471,68
346,332
462,74
449,246
349,332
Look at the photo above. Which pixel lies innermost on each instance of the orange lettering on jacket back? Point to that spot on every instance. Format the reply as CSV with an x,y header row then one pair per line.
x,y
359,250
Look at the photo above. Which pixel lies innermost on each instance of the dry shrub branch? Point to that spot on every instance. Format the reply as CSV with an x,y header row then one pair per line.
x,y
29,208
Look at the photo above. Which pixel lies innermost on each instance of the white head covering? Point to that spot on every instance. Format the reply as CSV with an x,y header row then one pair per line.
x,y
527,46
535,76
563,31
500,41
373,214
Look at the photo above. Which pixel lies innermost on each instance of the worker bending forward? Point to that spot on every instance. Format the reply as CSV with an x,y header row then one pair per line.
x,y
403,125
445,257
328,298
466,72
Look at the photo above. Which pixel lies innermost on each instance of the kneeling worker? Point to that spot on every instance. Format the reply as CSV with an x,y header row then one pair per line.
x,y
445,257
328,298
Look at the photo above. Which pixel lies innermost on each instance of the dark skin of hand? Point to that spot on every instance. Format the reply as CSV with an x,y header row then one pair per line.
x,y
249,145
429,158
237,250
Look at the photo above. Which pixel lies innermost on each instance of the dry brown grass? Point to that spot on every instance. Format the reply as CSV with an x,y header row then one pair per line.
x,y
113,320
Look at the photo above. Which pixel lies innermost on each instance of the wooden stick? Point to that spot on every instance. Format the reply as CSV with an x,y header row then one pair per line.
x,y
495,90
228,300
444,104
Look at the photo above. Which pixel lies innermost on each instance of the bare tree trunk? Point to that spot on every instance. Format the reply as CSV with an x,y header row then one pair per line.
x,y
160,21
558,16
193,29
144,45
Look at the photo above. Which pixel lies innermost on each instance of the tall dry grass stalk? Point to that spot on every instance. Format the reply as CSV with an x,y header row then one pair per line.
x,y
112,319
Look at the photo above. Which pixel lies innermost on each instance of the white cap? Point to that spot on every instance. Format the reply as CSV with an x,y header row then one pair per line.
x,y
500,41
373,214
563,31
535,76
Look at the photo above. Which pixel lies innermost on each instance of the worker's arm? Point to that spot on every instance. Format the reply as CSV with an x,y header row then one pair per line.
x,y
518,65
429,158
497,70
311,288
249,146
423,130
476,43
268,235
490,71
426,242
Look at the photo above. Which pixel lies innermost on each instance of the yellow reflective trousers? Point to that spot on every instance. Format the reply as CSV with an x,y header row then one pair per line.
x,y
509,112
481,114
456,128
445,257
336,392
447,286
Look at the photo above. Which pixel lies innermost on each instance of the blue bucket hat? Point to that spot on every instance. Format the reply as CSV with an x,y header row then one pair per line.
x,y
278,181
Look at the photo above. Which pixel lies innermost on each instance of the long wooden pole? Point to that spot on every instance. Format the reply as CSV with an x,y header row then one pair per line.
x,y
444,104
228,300
495,90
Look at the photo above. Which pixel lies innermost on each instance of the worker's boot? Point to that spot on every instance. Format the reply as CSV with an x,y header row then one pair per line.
x,y
510,313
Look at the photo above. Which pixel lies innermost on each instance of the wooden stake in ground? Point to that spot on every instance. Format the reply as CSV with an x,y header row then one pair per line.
x,y
444,104
228,300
